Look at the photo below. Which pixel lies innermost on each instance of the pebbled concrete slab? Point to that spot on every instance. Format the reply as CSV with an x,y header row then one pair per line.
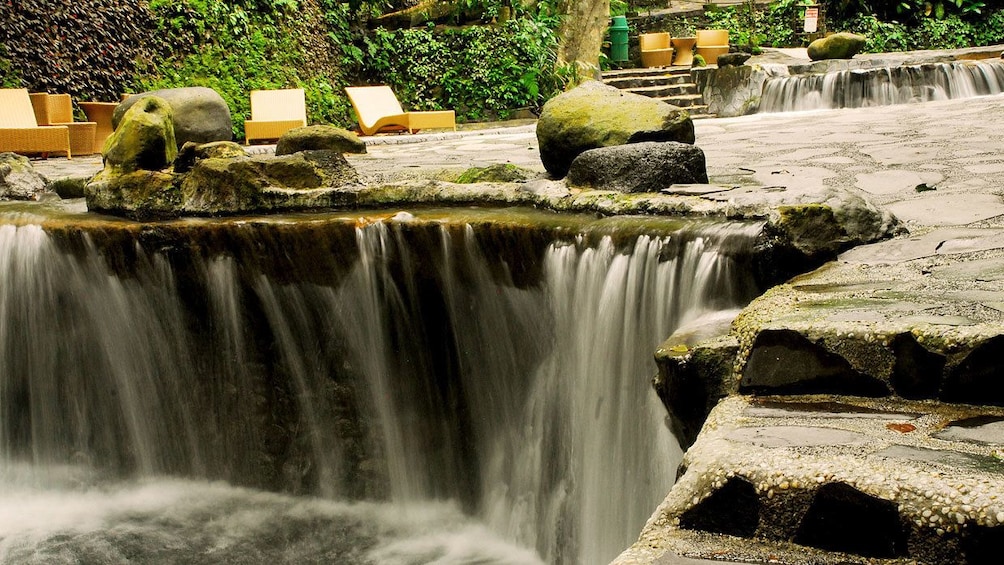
x,y
890,486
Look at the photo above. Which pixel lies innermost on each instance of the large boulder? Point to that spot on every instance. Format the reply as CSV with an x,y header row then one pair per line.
x,y
595,115
841,45
18,179
639,167
228,184
200,114
257,184
144,139
319,137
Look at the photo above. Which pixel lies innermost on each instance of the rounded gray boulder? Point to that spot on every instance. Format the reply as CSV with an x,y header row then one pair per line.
x,y
200,114
639,167
595,115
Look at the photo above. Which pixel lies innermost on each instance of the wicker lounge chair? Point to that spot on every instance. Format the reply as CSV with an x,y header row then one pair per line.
x,y
20,132
378,110
273,113
57,110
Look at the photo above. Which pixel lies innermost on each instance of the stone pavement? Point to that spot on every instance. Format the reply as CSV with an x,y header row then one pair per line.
x,y
916,320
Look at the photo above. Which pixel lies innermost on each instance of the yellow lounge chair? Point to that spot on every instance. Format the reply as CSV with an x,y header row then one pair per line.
x,y
57,110
274,112
20,132
378,109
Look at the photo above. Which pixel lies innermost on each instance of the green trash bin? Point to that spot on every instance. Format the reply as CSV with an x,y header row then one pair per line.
x,y
619,39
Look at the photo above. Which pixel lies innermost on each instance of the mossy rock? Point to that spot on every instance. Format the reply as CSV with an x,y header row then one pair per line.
x,y
192,152
144,140
18,179
319,137
140,194
595,115
841,45
499,172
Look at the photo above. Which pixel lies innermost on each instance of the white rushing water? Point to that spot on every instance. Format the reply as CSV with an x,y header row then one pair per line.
x,y
500,421
861,88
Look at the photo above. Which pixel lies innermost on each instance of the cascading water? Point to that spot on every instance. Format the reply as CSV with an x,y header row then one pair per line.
x,y
489,385
882,86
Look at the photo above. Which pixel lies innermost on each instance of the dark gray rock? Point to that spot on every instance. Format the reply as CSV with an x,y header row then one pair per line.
x,y
842,518
319,137
200,114
692,378
70,187
639,167
595,115
733,59
786,362
977,378
733,509
18,179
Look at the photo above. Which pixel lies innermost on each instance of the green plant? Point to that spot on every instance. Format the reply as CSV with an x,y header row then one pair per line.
x,y
482,72
239,46
751,26
9,77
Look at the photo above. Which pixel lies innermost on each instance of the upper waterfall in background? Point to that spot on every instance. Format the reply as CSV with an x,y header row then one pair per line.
x,y
859,88
409,362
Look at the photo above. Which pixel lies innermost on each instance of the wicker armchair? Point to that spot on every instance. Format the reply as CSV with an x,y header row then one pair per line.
x,y
656,50
20,132
378,110
711,43
273,113
57,110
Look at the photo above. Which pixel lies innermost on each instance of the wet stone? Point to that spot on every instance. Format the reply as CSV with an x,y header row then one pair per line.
x,y
917,371
978,378
948,458
795,436
785,362
977,430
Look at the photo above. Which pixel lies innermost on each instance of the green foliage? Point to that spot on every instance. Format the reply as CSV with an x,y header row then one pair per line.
x,y
234,48
751,26
950,32
9,77
481,72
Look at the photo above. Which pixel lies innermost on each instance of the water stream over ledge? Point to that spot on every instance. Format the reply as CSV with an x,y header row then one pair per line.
x,y
467,386
884,86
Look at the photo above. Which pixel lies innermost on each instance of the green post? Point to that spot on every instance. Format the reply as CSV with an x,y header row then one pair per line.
x,y
619,39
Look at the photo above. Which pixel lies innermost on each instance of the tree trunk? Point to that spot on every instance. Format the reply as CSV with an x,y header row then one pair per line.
x,y
581,37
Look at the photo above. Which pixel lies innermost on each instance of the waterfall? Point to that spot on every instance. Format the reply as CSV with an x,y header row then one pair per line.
x,y
882,86
502,372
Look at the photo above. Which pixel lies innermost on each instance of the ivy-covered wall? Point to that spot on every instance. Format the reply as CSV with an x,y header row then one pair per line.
x,y
87,48
99,49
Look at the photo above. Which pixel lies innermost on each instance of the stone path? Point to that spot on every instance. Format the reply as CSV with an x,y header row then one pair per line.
x,y
916,320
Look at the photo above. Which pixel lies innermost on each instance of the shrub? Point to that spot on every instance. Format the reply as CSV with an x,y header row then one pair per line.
x,y
482,72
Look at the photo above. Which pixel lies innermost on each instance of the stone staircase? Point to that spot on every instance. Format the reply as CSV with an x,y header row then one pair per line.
x,y
672,85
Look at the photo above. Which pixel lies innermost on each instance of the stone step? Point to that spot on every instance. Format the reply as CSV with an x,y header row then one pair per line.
x,y
645,72
830,479
649,80
665,90
688,100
